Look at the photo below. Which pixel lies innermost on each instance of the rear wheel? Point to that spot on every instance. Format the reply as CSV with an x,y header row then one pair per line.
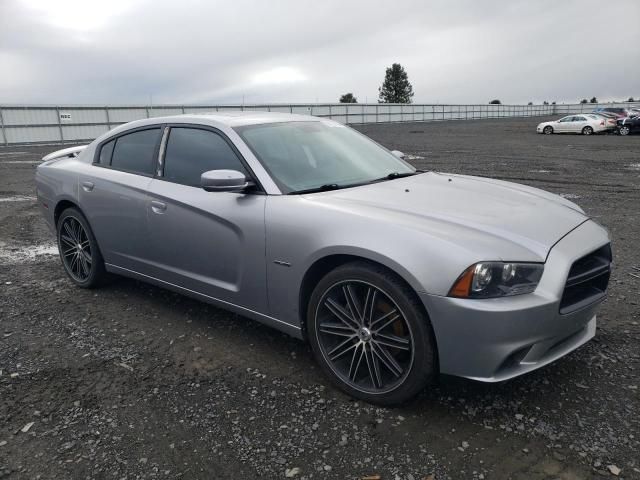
x,y
587,130
79,252
370,334
548,130
624,130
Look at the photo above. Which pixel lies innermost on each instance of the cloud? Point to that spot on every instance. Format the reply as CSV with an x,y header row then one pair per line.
x,y
196,51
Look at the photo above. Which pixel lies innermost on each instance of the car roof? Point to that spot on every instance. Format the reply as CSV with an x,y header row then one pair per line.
x,y
228,118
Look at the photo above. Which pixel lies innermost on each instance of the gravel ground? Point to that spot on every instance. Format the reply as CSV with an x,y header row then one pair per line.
x,y
132,381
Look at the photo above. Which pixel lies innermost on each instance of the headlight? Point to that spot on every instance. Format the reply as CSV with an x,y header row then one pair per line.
x,y
497,279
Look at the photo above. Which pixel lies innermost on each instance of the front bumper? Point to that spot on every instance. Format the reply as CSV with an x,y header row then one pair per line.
x,y
496,339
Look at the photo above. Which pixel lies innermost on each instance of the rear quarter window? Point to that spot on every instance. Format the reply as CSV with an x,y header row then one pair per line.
x,y
105,153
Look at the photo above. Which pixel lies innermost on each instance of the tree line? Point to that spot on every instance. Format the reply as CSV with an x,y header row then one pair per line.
x,y
396,88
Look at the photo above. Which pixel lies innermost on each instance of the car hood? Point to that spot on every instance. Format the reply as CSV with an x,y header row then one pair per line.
x,y
529,217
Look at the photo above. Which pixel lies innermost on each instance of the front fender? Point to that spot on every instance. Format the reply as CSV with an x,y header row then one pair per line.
x,y
299,233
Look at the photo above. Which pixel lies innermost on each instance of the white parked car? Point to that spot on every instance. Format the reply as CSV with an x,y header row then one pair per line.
x,y
585,124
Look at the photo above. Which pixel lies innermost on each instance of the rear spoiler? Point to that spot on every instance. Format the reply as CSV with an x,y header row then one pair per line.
x,y
70,152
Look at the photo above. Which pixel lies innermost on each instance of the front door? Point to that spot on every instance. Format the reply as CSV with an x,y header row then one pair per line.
x,y
564,124
208,242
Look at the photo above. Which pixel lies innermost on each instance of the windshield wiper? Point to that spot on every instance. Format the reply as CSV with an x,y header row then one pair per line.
x,y
334,186
322,188
394,175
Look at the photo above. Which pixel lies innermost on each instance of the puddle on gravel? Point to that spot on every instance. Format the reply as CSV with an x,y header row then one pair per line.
x,y
633,166
17,198
28,253
413,157
540,171
569,196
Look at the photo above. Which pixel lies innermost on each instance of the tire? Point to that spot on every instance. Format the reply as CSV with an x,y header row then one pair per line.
x,y
548,130
345,334
587,130
79,252
624,130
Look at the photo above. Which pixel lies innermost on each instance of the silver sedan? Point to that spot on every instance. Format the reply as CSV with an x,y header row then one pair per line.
x,y
392,274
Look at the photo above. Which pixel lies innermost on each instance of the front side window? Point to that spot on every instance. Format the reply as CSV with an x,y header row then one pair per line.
x,y
565,119
191,151
579,119
135,152
308,155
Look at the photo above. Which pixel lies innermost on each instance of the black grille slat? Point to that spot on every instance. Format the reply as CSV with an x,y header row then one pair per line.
x,y
587,280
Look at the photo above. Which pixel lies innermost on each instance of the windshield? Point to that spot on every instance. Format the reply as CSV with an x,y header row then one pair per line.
x,y
310,155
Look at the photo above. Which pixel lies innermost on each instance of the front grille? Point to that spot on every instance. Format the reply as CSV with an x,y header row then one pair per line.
x,y
587,281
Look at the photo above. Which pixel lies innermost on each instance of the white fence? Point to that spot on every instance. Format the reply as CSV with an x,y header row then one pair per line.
x,y
71,123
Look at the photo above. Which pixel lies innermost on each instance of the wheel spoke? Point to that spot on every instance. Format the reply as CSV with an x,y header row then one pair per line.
x,y
337,329
67,239
352,303
84,266
353,372
86,256
394,316
387,360
393,341
70,233
78,230
339,312
341,349
372,366
369,311
74,261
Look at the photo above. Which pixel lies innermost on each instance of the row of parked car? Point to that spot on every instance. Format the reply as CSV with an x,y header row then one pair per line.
x,y
604,119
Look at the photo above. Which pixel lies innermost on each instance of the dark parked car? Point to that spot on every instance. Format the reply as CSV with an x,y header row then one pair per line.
x,y
619,111
628,125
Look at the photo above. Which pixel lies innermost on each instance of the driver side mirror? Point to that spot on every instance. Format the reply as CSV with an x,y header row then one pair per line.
x,y
224,181
398,154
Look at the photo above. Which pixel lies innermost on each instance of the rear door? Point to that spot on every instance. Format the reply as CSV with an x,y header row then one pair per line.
x,y
578,123
113,195
208,242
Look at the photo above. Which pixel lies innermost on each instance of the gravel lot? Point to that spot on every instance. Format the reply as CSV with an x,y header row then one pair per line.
x,y
132,381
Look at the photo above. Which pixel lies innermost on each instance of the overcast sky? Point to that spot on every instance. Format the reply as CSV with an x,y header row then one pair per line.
x,y
197,51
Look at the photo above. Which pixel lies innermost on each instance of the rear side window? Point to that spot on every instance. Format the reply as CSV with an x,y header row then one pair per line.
x,y
105,153
135,152
190,152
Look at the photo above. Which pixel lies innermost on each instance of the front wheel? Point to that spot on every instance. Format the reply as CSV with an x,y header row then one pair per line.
x,y
548,130
624,130
587,130
79,252
370,334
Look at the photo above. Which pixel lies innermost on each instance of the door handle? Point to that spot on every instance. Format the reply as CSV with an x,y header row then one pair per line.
x,y
158,207
87,186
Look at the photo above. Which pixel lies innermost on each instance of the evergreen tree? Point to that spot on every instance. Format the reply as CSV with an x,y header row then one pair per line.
x,y
348,98
396,87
